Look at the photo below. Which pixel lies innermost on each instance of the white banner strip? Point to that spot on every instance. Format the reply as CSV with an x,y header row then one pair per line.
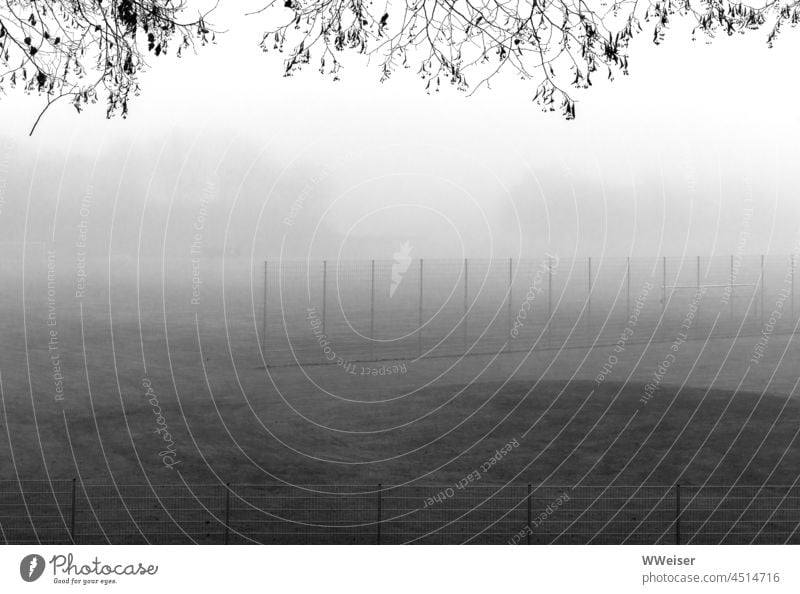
x,y
400,570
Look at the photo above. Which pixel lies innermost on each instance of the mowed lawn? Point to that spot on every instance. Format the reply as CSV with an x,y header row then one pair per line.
x,y
440,423
713,420
567,433
198,379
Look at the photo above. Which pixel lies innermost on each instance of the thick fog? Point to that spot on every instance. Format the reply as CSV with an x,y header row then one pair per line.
x,y
694,153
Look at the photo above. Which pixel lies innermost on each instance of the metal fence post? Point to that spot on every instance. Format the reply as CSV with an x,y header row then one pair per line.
x,y
628,286
762,289
419,329
589,297
549,298
372,311
264,313
698,273
510,295
324,291
466,289
698,291
72,513
529,514
791,264
227,512
731,286
677,513
380,505
663,287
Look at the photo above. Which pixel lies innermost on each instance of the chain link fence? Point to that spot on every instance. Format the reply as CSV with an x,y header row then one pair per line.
x,y
327,312
64,512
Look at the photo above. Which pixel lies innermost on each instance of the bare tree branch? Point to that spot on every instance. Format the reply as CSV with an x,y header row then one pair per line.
x,y
545,41
85,49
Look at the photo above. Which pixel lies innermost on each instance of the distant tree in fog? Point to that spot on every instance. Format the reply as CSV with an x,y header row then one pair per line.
x,y
558,44
86,51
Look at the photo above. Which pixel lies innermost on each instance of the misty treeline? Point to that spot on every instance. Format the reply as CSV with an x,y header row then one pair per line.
x,y
93,51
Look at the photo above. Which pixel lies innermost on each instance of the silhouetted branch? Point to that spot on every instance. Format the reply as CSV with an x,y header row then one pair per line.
x,y
545,41
83,49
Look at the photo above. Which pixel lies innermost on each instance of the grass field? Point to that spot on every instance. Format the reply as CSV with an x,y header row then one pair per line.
x,y
716,418
708,421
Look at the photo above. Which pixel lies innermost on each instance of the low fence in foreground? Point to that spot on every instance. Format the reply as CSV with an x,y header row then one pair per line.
x,y
65,512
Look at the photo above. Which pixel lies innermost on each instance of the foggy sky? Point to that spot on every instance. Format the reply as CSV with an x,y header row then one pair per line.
x,y
696,147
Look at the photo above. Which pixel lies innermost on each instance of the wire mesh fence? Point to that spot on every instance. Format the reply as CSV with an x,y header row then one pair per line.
x,y
64,512
328,312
